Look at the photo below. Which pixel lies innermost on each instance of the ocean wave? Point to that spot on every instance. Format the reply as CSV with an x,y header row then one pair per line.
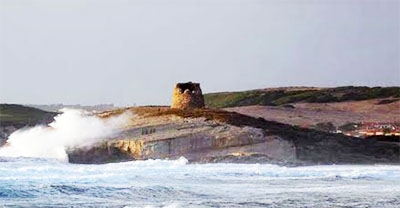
x,y
177,183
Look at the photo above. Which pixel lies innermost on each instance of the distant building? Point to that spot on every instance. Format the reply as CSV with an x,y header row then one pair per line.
x,y
379,129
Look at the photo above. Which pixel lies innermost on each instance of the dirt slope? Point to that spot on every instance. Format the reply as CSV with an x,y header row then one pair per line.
x,y
338,113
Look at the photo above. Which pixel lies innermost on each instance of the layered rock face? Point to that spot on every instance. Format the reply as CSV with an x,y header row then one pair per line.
x,y
206,141
197,139
187,95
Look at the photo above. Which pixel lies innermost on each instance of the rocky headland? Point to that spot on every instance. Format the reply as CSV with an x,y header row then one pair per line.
x,y
212,135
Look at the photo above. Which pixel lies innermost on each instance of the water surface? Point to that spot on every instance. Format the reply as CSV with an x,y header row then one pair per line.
x,y
30,182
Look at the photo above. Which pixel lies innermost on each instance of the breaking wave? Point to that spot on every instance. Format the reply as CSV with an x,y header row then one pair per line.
x,y
73,128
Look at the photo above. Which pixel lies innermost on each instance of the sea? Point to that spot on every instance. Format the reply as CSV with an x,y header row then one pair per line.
x,y
38,182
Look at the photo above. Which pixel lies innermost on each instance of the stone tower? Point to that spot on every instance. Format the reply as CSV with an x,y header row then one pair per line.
x,y
187,95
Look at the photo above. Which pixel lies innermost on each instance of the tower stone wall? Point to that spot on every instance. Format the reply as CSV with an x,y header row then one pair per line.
x,y
187,95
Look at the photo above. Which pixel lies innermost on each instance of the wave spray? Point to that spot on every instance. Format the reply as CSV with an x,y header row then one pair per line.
x,y
71,129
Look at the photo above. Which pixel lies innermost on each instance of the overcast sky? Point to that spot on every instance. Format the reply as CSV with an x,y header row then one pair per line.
x,y
133,51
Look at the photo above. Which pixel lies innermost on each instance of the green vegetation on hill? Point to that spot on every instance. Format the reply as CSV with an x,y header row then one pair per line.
x,y
19,115
284,96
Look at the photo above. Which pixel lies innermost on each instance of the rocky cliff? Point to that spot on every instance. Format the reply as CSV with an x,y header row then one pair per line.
x,y
206,135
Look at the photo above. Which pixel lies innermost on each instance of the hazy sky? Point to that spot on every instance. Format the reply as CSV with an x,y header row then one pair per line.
x,y
133,51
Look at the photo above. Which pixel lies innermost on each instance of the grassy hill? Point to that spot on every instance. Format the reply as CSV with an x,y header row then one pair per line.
x,y
282,96
19,115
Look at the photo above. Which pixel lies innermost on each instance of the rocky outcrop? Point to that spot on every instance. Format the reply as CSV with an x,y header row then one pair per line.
x,y
204,135
6,131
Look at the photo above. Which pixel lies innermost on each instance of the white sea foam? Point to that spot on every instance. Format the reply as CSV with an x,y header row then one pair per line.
x,y
72,128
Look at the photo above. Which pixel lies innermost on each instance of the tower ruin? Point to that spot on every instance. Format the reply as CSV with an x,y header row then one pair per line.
x,y
187,95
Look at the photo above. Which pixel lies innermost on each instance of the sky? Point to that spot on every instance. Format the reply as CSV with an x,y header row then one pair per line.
x,y
132,52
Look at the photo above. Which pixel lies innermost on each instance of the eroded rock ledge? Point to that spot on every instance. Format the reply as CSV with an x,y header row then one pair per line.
x,y
207,135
